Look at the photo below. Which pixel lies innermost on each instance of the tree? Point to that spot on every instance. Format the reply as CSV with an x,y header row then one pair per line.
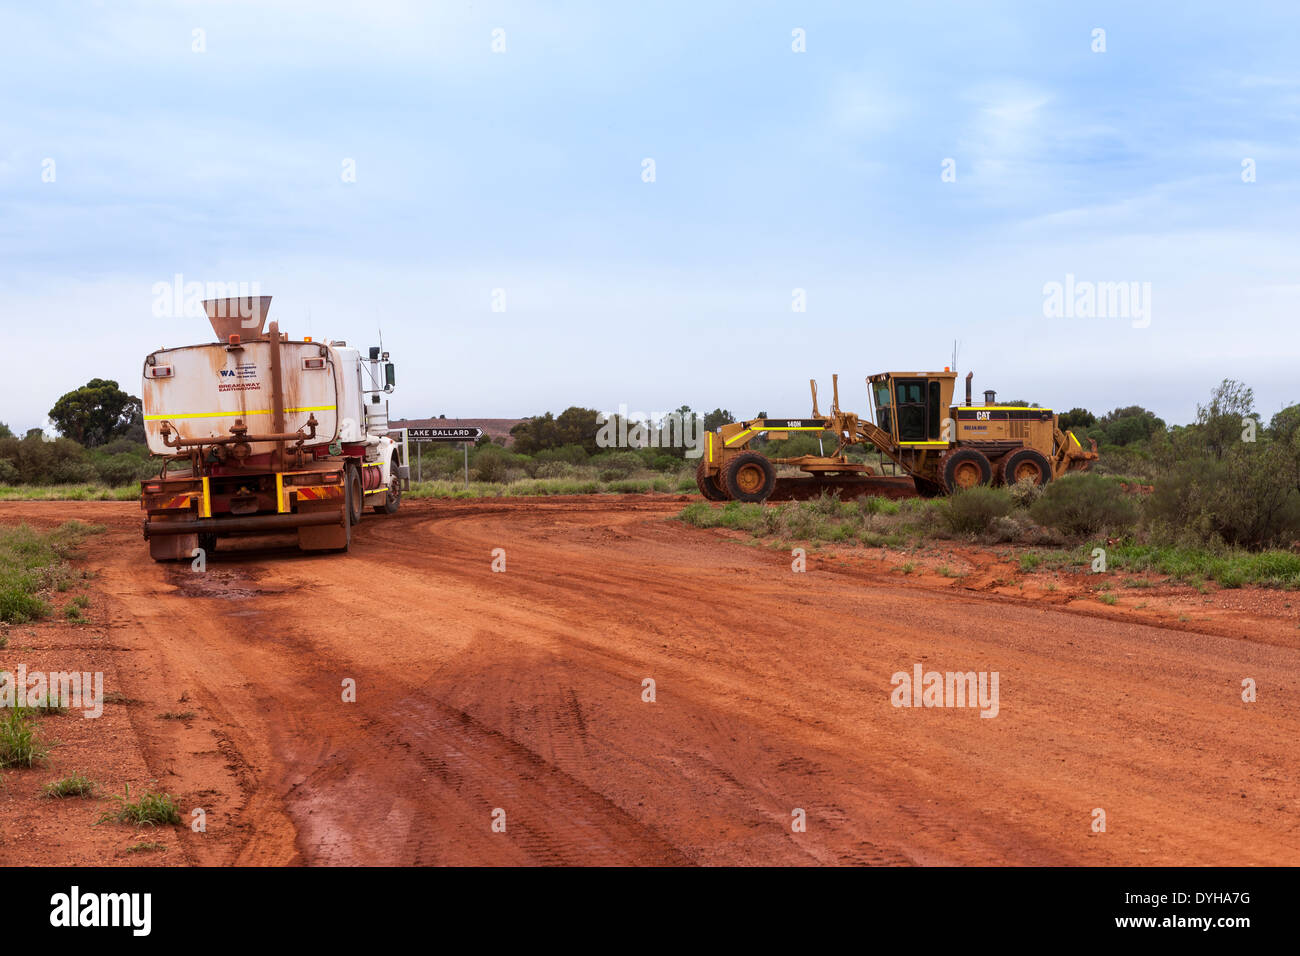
x,y
1124,426
4,431
573,426
1220,422
1284,431
1077,418
97,413
717,418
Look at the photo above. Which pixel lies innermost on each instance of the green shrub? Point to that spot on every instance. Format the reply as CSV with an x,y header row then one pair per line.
x,y
1025,492
876,505
150,809
617,464
567,454
77,785
491,464
1246,499
1083,504
20,744
123,469
971,511
32,562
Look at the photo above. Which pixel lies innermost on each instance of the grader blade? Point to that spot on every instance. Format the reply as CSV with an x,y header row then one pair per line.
x,y
848,488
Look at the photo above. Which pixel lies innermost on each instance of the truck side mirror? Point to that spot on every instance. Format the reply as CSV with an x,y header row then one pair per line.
x,y
390,375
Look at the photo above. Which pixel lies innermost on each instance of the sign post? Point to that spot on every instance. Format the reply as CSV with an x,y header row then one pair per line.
x,y
442,434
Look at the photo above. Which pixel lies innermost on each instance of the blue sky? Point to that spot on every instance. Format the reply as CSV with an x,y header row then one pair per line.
x,y
774,171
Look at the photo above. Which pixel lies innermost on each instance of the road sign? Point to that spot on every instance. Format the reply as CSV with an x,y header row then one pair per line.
x,y
444,434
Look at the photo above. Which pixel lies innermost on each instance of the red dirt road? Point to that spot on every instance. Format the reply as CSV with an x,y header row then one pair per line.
x,y
522,691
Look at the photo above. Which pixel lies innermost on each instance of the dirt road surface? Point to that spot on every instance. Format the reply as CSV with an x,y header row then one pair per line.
x,y
480,692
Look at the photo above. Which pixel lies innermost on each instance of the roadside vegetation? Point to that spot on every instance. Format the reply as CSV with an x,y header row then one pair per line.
x,y
75,785
35,573
148,809
21,742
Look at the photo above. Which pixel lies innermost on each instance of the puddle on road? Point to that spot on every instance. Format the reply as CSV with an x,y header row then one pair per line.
x,y
229,584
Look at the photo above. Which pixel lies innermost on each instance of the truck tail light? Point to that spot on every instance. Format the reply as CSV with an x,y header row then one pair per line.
x,y
159,371
313,363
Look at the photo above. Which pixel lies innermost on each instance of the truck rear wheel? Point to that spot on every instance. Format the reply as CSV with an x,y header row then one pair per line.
x,y
966,468
749,477
1027,463
707,485
355,495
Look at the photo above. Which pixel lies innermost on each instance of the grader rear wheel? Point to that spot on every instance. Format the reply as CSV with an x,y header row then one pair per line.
x,y
1026,464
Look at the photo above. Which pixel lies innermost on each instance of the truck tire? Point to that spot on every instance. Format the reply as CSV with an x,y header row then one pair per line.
x,y
354,494
707,485
966,468
393,494
749,477
1026,463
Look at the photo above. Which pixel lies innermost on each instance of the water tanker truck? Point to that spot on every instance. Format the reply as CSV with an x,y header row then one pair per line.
x,y
259,433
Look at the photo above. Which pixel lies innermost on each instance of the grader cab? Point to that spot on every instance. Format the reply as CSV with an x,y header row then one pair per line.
x,y
942,446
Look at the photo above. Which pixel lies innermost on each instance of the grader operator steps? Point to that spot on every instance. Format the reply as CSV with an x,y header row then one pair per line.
x,y
936,446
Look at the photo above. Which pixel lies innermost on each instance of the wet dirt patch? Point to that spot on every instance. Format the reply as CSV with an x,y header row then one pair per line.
x,y
227,584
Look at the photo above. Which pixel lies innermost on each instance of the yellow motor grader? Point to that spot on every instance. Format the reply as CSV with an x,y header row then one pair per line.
x,y
942,447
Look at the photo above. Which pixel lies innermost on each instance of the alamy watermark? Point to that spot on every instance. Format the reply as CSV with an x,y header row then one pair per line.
x,y
1075,299
946,689
180,299
624,429
73,690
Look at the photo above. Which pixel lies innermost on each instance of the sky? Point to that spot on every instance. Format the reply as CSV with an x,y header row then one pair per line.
x,y
837,188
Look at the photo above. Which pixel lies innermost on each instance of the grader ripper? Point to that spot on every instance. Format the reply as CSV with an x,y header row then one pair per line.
x,y
943,447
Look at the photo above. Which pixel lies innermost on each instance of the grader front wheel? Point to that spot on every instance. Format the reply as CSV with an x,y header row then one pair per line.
x,y
749,477
707,485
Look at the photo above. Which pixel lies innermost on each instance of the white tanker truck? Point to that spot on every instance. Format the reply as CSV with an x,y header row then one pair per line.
x,y
259,433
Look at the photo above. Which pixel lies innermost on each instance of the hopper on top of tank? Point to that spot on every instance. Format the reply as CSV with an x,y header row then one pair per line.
x,y
243,316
